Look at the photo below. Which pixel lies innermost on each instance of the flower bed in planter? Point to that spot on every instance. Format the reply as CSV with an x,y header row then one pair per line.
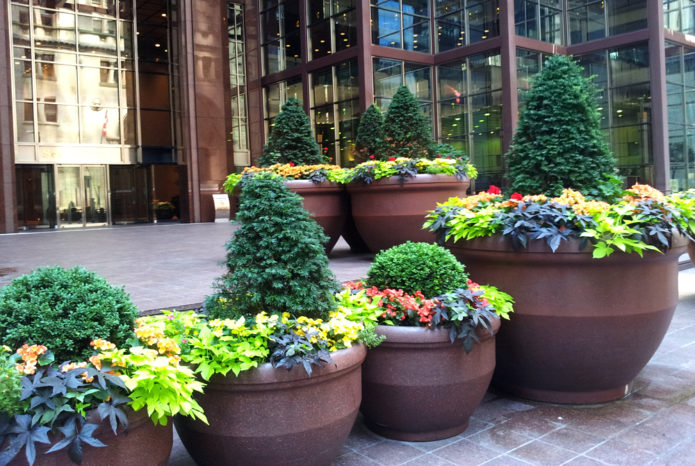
x,y
588,316
391,198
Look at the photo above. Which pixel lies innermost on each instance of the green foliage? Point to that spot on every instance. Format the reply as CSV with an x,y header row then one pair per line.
x,y
370,133
413,267
502,303
406,130
275,261
559,143
10,384
404,168
65,310
291,139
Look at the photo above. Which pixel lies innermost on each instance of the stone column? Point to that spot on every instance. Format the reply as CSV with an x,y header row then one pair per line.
x,y
8,206
657,77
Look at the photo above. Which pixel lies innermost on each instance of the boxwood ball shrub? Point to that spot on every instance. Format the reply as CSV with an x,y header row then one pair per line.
x,y
426,267
276,261
64,310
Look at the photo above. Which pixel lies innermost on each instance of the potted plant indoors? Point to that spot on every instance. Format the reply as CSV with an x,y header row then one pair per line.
x,y
274,316
392,191
438,329
595,280
291,146
76,403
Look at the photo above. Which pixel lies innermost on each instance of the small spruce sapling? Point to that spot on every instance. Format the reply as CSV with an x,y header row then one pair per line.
x,y
559,143
291,139
406,130
370,133
276,261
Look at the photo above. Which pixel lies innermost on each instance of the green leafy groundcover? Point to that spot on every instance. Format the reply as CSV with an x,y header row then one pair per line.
x,y
643,219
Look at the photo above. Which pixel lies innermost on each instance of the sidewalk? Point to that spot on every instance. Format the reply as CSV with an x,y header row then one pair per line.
x,y
165,266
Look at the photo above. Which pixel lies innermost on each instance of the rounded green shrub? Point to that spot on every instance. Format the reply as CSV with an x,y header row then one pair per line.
x,y
64,309
276,261
426,267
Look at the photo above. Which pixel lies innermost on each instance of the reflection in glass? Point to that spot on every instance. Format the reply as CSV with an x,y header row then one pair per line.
x,y
57,123
463,22
95,199
36,201
22,80
54,29
69,196
20,26
100,125
24,119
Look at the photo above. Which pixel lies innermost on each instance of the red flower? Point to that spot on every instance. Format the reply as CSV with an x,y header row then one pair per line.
x,y
494,190
291,164
392,159
438,155
516,196
371,157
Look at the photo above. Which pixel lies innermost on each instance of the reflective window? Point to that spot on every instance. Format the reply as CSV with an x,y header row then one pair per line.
x,y
275,95
401,24
280,39
539,19
390,74
332,26
679,15
595,19
237,80
462,22
470,112
70,87
624,100
334,110
680,88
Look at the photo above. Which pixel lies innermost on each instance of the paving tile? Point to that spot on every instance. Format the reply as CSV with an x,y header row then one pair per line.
x,y
501,438
477,425
505,460
616,452
583,461
540,452
466,452
436,444
573,439
391,452
361,437
429,460
499,409
532,424
645,439
354,459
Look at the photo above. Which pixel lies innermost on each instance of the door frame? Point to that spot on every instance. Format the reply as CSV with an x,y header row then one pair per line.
x,y
107,188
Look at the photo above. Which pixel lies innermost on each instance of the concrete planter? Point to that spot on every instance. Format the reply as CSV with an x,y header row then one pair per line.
x,y
418,386
582,328
388,212
269,416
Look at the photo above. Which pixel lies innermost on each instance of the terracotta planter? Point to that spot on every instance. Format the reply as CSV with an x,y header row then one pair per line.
x,y
327,204
691,251
388,212
143,444
270,416
418,386
582,328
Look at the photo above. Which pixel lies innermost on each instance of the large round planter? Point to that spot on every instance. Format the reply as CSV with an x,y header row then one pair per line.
x,y
582,328
691,251
269,416
327,204
388,212
418,386
143,444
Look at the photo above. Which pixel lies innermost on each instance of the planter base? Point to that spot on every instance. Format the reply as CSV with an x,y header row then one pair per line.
x,y
430,436
567,397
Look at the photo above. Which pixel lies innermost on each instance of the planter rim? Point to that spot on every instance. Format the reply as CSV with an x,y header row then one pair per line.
x,y
414,335
308,184
499,243
266,377
422,178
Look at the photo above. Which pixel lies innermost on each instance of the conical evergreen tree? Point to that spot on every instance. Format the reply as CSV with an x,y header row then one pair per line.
x,y
559,143
370,133
406,130
276,261
291,139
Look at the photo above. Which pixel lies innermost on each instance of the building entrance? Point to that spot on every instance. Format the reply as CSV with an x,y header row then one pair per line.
x,y
81,196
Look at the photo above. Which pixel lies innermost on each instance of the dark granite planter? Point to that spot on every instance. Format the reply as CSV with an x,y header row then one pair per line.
x,y
270,416
417,386
388,212
143,444
582,328
327,204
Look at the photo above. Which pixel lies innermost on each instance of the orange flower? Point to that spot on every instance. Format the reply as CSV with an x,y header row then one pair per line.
x,y
102,345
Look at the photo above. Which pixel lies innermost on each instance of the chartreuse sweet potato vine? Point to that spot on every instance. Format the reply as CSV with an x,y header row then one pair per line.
x,y
643,219
219,346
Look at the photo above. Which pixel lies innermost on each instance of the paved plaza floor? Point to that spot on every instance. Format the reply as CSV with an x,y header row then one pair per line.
x,y
173,265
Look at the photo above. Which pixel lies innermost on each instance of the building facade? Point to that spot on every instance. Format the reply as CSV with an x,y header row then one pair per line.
x,y
123,111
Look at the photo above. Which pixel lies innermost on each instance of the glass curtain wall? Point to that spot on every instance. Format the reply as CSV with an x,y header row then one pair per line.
x,y
528,64
73,72
680,88
464,22
335,110
237,83
280,40
470,112
390,74
596,19
679,15
401,24
622,75
539,19
332,26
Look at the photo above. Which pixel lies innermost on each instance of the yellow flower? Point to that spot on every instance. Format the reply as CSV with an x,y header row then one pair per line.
x,y
643,192
96,361
103,345
569,197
